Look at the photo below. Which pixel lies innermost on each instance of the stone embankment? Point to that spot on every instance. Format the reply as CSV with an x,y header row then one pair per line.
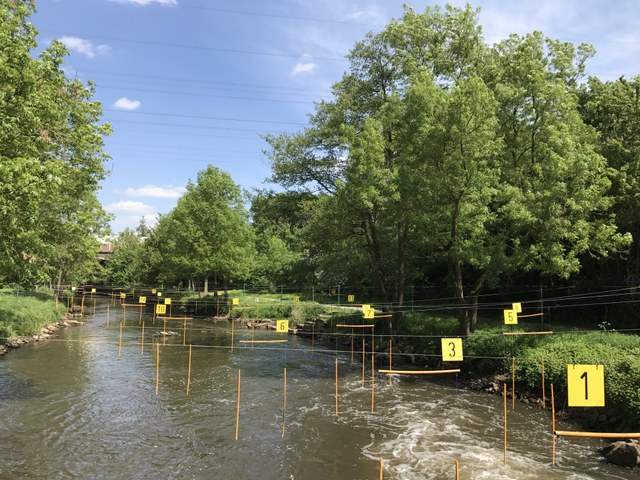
x,y
48,331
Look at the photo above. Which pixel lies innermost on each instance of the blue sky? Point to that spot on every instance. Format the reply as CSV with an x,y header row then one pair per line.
x,y
187,83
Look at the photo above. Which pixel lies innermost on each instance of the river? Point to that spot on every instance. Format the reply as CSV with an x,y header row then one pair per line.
x,y
83,406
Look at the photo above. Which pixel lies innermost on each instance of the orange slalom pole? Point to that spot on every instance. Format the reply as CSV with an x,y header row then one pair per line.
x,y
94,305
108,315
504,396
157,365
543,396
232,332
352,345
390,359
120,341
142,339
553,428
513,383
284,401
189,372
238,406
373,382
164,329
184,334
124,314
363,362
82,307
457,470
380,468
336,385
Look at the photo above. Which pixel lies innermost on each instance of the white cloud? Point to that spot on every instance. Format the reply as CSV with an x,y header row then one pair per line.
x,y
131,207
126,104
303,66
155,191
84,46
164,3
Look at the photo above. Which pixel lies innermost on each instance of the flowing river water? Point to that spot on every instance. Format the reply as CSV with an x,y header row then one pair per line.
x,y
82,406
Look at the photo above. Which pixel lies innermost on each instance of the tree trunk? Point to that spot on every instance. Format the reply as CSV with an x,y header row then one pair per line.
x,y
206,285
376,258
455,276
401,273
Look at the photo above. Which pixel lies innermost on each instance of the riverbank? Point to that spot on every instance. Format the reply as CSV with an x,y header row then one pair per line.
x,y
48,331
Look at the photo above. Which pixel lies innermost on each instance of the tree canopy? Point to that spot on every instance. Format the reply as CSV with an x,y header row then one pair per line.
x,y
51,160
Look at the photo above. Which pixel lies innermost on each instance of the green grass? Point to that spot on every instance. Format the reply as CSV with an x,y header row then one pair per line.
x,y
25,315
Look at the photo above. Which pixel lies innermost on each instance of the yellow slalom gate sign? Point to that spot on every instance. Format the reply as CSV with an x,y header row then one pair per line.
x,y
142,300
510,317
167,301
282,326
351,298
161,309
516,307
585,385
451,349
123,295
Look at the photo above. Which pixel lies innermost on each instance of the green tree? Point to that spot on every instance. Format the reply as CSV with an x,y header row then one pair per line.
x,y
124,266
51,160
473,156
207,235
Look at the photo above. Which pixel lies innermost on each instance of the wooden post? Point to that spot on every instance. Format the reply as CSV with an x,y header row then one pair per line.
x,y
189,372
238,406
284,401
553,428
504,396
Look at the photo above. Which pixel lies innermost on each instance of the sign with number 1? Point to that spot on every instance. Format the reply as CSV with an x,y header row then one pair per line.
x,y
585,385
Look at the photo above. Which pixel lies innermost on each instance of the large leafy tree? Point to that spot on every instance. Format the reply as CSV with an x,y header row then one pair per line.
x,y
207,236
437,145
51,160
613,109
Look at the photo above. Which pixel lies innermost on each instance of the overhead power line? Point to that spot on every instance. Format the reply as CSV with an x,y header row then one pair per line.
x,y
268,15
259,86
198,47
203,95
203,117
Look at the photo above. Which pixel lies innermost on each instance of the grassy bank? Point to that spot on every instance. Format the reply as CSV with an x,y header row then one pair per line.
x,y
25,315
488,352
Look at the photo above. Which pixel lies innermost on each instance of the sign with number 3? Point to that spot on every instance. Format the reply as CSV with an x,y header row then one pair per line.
x,y
451,349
